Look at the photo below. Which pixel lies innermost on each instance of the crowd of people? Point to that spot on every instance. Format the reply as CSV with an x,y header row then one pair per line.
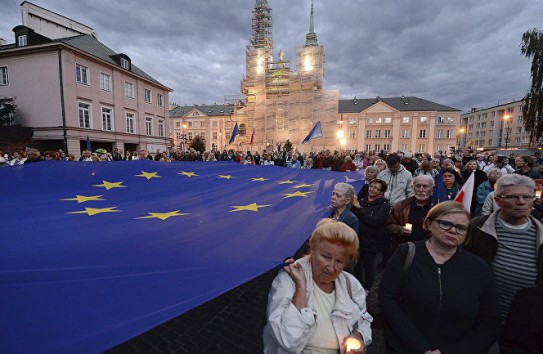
x,y
454,280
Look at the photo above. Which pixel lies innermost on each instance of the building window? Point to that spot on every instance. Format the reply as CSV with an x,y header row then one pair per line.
x,y
422,133
404,147
387,133
368,134
177,135
160,99
147,95
368,147
125,64
129,89
4,81
440,134
106,118
82,74
369,120
422,148
386,147
388,120
190,136
424,119
21,40
130,120
450,120
202,124
190,124
149,126
377,147
377,133
405,134
214,124
105,82
215,136
449,133
489,142
203,135
378,120
161,128
178,124
405,120
352,134
440,120
84,115
520,119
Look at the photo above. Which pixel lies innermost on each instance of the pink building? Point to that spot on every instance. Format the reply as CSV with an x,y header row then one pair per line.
x,y
68,85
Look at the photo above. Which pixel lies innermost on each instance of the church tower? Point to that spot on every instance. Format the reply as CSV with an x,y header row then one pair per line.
x,y
310,63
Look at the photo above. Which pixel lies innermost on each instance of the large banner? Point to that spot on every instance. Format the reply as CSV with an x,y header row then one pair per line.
x,y
95,253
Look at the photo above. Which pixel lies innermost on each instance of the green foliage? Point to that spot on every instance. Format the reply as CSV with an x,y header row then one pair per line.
x,y
532,47
288,145
8,111
198,143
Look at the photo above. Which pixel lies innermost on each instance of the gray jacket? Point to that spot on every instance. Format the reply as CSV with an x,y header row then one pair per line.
x,y
400,185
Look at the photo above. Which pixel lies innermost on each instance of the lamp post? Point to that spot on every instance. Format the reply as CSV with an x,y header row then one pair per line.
x,y
506,119
340,137
460,133
184,136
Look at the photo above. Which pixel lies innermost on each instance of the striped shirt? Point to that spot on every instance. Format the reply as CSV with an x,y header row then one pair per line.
x,y
514,265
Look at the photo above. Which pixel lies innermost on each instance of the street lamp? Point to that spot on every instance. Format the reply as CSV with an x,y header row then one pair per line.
x,y
460,133
184,136
506,119
340,137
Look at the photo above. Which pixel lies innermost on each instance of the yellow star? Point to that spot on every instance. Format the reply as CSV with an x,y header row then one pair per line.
x,y
249,207
109,185
163,216
83,198
260,179
148,175
188,174
302,186
286,182
297,194
226,176
94,211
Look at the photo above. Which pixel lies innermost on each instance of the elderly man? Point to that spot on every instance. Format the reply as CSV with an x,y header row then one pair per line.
x,y
510,239
412,211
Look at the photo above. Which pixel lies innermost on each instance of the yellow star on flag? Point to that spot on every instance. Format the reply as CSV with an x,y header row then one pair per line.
x,y
260,179
84,198
286,182
226,176
249,207
94,211
297,194
163,216
188,174
302,186
109,185
148,175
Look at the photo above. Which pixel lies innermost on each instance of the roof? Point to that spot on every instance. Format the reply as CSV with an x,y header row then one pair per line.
x,y
94,47
208,110
402,103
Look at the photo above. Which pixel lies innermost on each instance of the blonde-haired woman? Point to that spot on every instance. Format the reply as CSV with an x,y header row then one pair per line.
x,y
314,306
443,299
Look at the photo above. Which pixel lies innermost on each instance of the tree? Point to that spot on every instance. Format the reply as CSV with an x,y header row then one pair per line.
x,y
288,145
8,111
532,47
198,143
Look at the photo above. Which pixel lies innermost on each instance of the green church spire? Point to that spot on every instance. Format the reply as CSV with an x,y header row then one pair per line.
x,y
311,37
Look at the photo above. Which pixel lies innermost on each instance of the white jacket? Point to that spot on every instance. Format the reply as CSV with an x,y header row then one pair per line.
x,y
399,185
288,329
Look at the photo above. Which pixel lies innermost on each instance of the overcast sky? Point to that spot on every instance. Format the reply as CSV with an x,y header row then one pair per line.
x,y
461,53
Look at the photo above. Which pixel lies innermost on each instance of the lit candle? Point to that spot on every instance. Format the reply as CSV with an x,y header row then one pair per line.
x,y
352,343
409,226
538,194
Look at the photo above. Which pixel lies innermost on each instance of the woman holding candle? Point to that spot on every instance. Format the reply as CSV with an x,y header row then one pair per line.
x,y
314,306
445,301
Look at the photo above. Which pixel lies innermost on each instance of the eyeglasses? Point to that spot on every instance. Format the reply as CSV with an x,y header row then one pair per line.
x,y
515,198
445,225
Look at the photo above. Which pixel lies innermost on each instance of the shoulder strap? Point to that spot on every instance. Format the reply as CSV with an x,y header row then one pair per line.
x,y
410,256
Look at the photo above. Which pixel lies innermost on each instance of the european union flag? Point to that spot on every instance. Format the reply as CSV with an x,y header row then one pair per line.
x,y
235,132
316,132
95,253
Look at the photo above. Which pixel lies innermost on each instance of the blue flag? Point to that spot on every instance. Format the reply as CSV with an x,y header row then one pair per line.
x,y
95,253
440,192
316,132
89,144
235,132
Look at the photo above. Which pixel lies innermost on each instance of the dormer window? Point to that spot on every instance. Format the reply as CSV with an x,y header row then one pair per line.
x,y
21,40
125,63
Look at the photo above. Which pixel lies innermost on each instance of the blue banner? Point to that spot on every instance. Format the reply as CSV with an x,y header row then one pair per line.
x,y
95,253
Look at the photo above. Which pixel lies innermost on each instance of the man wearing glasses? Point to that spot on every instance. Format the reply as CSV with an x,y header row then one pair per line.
x,y
510,239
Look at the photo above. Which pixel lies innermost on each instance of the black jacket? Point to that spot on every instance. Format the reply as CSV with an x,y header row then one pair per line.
x,y
371,229
452,307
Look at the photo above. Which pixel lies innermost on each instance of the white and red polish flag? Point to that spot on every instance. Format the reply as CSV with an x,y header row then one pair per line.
x,y
465,195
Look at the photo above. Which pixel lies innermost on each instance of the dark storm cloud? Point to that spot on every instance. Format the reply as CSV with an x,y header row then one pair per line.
x,y
460,53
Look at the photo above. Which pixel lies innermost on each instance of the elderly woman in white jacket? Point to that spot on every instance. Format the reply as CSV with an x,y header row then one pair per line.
x,y
316,307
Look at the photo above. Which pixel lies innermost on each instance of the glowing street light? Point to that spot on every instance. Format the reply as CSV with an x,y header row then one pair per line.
x,y
506,119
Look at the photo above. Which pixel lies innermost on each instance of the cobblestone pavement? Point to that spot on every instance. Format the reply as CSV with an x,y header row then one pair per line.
x,y
231,323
